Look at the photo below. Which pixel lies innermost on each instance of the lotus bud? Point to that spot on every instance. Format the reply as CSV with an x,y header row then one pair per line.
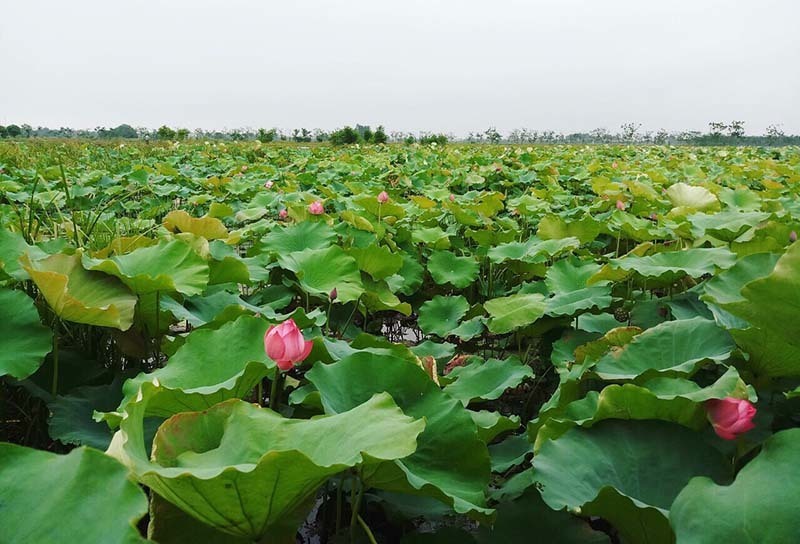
x,y
334,294
285,344
730,417
316,208
793,236
283,214
269,184
620,205
383,197
452,197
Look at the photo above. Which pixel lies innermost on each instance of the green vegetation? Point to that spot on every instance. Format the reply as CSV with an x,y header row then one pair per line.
x,y
565,342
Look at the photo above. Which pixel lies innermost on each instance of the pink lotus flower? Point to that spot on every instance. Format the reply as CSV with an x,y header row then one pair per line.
x,y
383,197
793,236
654,216
316,208
620,205
285,344
244,168
730,417
269,184
614,164
452,197
283,214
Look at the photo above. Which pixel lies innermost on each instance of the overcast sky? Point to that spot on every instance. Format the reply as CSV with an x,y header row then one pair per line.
x,y
448,65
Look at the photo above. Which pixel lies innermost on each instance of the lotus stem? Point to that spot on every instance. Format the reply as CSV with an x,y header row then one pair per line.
x,y
364,526
273,394
55,360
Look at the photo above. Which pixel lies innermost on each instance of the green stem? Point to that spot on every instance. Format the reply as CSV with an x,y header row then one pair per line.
x,y
355,504
364,526
260,393
55,360
273,394
339,505
353,313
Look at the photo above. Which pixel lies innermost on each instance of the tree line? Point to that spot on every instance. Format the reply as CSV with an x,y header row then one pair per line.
x,y
719,133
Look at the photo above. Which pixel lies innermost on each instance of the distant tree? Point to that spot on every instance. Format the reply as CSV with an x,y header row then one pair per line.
x,y
736,129
629,131
265,136
320,135
775,131
661,137
409,139
380,135
121,131
367,135
165,133
13,131
3,132
716,129
492,135
439,139
344,136
182,134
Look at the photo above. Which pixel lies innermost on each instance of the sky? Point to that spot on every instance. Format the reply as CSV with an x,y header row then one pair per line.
x,y
453,66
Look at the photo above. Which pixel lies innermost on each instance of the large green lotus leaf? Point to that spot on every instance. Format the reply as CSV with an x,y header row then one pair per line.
x,y
672,265
771,305
446,267
493,424
570,274
451,463
726,286
298,237
486,381
433,237
378,296
12,247
511,452
553,227
532,251
377,261
570,303
81,296
672,348
168,266
320,271
84,496
384,209
171,525
211,366
209,228
528,520
727,225
691,198
441,315
409,278
71,419
628,472
515,311
759,507
668,399
250,472
225,265
24,341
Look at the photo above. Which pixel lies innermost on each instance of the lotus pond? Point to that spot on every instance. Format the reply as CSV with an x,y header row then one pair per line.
x,y
235,343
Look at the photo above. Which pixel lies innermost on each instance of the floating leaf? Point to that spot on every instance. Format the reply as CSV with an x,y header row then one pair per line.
x,y
209,228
